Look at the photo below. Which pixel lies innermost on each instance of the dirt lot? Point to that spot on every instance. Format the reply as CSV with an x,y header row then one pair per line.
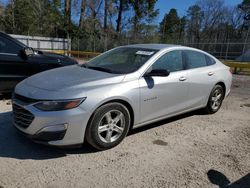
x,y
192,150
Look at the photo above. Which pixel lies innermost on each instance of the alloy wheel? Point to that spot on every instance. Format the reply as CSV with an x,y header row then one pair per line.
x,y
111,126
216,99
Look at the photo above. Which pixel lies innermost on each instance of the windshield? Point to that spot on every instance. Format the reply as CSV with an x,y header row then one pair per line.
x,y
121,60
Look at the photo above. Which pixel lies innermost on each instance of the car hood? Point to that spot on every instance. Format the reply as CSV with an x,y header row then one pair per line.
x,y
53,55
59,58
71,77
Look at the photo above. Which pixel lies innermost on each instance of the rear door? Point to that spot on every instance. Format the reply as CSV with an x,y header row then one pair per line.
x,y
201,76
161,96
13,68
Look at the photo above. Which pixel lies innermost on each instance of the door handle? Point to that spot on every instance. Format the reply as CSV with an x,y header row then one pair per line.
x,y
182,78
210,74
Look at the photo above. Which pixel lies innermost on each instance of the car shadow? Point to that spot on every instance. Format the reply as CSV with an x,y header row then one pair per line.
x,y
15,145
219,179
165,121
5,96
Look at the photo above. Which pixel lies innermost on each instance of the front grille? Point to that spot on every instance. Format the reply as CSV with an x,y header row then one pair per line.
x,y
22,117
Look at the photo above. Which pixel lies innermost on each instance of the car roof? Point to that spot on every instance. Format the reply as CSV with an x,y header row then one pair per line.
x,y
5,35
153,46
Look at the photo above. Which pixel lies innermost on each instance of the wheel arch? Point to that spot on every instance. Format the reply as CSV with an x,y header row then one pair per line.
x,y
220,83
223,85
127,105
121,101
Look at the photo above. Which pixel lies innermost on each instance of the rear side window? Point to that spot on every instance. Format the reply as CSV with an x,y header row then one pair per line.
x,y
171,61
8,46
210,61
194,59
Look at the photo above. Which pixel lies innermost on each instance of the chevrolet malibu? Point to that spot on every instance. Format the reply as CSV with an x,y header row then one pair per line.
x,y
122,89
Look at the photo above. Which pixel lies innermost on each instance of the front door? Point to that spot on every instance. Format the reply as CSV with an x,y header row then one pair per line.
x,y
162,96
13,68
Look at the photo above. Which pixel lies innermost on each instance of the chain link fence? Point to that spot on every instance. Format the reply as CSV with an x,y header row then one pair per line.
x,y
225,51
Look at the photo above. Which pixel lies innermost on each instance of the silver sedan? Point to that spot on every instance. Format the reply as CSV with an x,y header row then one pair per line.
x,y
124,88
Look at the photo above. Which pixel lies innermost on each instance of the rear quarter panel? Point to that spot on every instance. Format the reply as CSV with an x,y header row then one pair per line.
x,y
221,74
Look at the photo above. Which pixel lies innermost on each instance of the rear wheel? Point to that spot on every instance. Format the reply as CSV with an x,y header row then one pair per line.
x,y
108,126
215,99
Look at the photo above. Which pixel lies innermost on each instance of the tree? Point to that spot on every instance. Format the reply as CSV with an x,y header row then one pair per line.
x,y
194,22
119,18
56,3
144,10
213,17
1,10
170,26
245,6
105,21
1,17
32,18
67,16
122,6
232,27
82,14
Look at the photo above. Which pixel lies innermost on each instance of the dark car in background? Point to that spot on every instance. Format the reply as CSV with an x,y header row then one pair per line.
x,y
18,61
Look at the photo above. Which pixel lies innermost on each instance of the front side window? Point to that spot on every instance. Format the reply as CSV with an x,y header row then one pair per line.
x,y
171,61
121,60
194,59
8,46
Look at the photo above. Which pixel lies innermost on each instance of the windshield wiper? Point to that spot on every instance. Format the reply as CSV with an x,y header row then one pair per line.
x,y
84,65
100,69
103,69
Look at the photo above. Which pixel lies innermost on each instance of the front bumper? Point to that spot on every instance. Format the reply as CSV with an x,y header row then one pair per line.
x,y
60,128
44,137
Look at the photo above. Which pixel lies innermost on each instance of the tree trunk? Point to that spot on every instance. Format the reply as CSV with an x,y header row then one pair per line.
x,y
135,26
82,15
13,15
67,15
136,18
119,18
105,14
67,9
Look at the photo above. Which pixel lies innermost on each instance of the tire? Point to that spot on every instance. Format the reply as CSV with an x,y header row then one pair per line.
x,y
215,99
108,126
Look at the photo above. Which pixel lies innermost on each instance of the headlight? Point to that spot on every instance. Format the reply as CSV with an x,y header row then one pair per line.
x,y
58,105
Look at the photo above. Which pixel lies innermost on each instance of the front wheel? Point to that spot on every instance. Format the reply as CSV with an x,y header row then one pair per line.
x,y
215,99
108,126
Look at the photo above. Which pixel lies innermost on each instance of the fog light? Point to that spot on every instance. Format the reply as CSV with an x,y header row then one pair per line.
x,y
54,128
51,133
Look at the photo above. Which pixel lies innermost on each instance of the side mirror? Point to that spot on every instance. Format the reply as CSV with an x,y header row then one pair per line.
x,y
28,51
157,72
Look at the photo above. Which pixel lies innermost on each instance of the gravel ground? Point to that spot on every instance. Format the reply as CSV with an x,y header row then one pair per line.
x,y
192,150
